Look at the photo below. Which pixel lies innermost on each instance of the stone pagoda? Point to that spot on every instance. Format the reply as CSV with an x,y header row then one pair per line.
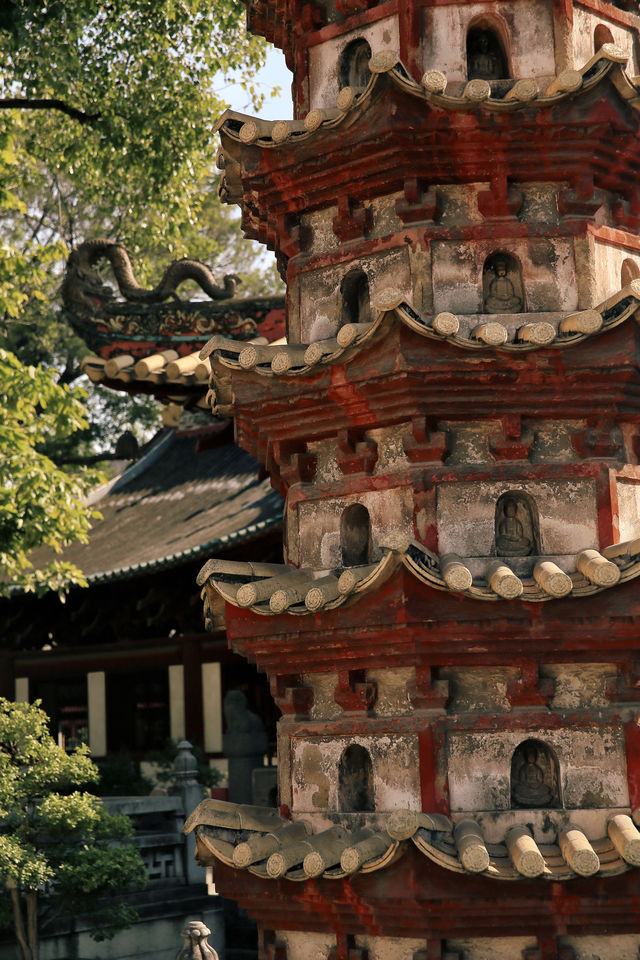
x,y
452,636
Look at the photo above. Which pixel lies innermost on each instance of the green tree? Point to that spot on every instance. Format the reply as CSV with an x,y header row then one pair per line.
x,y
60,852
106,129
40,504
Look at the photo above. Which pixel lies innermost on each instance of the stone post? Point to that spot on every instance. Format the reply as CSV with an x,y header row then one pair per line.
x,y
186,778
244,744
196,947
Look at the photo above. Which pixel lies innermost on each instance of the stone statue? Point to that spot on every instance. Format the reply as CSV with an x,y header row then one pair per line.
x,y
483,63
511,539
530,788
244,744
195,947
501,296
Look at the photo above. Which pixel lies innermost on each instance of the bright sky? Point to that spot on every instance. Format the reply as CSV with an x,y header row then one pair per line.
x,y
273,74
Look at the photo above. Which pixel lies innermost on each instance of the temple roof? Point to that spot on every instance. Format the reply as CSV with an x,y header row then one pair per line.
x,y
257,839
298,360
262,158
278,589
173,505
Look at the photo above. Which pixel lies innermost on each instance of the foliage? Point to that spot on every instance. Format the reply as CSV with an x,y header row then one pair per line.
x,y
124,149
40,504
120,777
164,760
60,852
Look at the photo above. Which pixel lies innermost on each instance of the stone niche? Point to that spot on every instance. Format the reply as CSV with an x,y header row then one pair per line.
x,y
327,58
550,518
524,30
541,273
591,29
316,528
323,292
591,768
329,777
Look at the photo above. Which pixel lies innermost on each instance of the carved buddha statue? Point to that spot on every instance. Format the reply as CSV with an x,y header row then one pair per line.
x,y
511,539
483,64
530,788
501,296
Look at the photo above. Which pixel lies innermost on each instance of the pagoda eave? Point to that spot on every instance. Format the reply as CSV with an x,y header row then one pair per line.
x,y
391,133
403,374
410,625
414,898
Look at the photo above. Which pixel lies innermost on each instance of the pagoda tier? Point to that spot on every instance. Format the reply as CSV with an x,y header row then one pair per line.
x,y
405,141
402,367
452,636
537,38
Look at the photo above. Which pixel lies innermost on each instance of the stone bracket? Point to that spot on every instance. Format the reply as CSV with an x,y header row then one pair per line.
x,y
354,694
548,949
289,461
420,202
428,692
626,214
292,236
581,199
512,443
595,442
424,446
346,949
437,950
353,221
312,16
500,201
628,683
269,948
530,689
355,454
292,697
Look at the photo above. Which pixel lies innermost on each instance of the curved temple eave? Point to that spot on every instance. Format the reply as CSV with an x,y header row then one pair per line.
x,y
458,846
301,592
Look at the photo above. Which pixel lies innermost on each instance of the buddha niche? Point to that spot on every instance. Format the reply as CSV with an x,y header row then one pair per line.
x,y
501,285
515,526
534,776
485,57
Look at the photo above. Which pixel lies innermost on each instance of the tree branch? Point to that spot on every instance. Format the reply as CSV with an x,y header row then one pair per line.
x,y
32,922
21,103
18,922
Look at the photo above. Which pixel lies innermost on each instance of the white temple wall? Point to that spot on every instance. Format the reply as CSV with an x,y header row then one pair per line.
x,y
324,58
608,260
314,527
628,492
548,273
591,762
525,27
396,772
567,512
585,22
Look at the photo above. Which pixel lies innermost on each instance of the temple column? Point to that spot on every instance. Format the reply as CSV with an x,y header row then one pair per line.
x,y
212,707
176,702
22,689
97,712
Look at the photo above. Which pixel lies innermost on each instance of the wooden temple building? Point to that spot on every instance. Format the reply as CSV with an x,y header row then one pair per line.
x,y
452,638
123,663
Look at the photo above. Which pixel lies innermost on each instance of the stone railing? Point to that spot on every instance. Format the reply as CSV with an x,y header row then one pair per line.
x,y
158,820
